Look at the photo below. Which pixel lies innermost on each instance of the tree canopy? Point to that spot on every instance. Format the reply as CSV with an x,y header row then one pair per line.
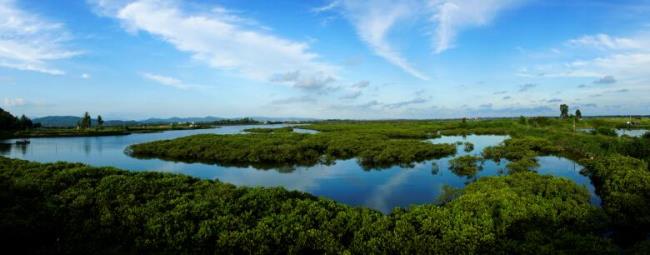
x,y
9,122
564,111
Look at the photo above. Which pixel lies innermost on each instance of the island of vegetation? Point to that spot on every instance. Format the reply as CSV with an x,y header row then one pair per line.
x,y
74,208
377,145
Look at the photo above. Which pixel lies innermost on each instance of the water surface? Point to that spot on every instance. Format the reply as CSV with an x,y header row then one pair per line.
x,y
621,131
344,181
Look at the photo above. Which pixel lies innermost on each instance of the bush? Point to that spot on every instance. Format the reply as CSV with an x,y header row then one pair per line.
x,y
465,165
624,186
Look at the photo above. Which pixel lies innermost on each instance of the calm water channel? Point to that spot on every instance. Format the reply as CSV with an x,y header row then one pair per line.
x,y
345,181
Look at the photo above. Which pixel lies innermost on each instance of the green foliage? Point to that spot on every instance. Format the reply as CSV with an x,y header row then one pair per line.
x,y
624,186
541,121
100,121
73,208
523,164
564,111
604,131
267,148
465,165
9,122
243,121
523,120
520,148
578,114
85,121
468,147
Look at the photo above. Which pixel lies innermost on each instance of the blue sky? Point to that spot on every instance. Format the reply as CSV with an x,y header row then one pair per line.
x,y
134,59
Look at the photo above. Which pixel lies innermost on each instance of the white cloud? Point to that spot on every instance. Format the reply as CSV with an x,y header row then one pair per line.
x,y
606,42
29,42
218,38
328,7
85,76
14,102
356,90
315,81
374,19
602,55
452,16
165,80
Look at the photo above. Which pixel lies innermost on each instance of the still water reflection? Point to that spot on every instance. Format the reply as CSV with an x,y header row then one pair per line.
x,y
345,181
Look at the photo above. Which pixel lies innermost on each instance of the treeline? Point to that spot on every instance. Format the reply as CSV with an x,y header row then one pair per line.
x,y
242,121
8,122
72,208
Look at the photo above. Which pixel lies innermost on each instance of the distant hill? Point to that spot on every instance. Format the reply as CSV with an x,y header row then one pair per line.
x,y
58,121
71,121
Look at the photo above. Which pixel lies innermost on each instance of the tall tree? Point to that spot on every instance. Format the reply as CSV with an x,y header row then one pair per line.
x,y
85,121
564,111
7,121
578,114
24,122
100,121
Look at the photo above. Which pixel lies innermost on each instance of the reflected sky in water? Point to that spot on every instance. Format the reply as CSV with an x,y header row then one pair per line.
x,y
621,132
344,181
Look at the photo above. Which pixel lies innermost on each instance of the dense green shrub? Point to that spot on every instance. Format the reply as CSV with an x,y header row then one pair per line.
x,y
624,187
466,165
73,208
604,131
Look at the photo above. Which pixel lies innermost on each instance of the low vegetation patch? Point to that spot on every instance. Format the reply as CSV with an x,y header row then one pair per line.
x,y
287,148
466,165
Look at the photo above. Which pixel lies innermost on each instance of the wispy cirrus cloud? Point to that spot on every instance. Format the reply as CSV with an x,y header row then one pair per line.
x,y
165,80
30,42
453,16
375,19
606,42
219,38
526,87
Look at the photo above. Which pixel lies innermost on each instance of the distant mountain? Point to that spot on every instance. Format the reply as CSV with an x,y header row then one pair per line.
x,y
71,121
58,121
